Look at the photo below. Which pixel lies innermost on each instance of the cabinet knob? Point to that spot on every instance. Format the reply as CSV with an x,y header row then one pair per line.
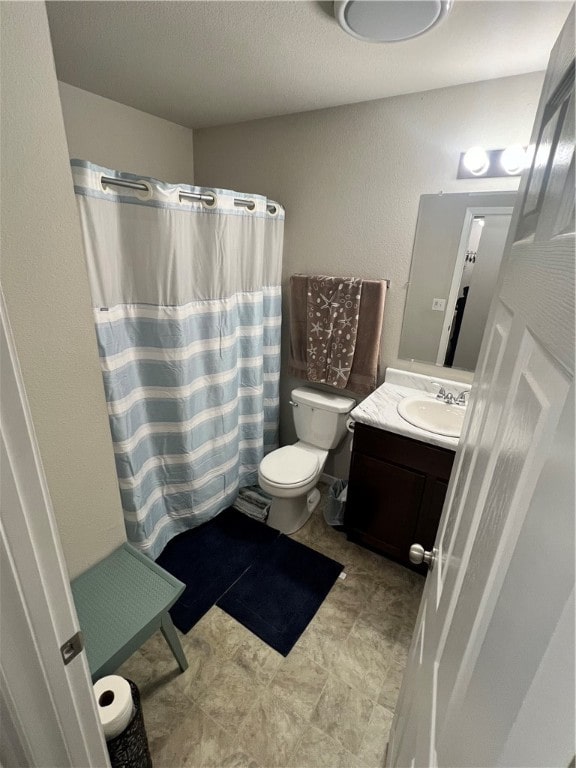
x,y
419,555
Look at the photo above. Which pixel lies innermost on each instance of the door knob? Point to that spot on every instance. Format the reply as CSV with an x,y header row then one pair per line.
x,y
419,555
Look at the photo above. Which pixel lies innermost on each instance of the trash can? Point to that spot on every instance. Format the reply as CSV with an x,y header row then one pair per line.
x,y
334,509
130,748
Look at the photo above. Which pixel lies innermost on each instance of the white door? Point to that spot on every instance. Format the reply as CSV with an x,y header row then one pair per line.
x,y
47,710
490,677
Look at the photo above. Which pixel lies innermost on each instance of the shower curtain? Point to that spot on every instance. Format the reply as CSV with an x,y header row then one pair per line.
x,y
187,308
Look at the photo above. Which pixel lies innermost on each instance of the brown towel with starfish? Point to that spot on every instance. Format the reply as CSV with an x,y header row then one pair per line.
x,y
318,351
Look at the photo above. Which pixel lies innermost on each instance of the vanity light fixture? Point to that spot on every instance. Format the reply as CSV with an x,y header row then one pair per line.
x,y
478,162
389,21
513,159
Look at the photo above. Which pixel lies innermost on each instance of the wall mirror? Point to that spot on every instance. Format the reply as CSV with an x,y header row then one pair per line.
x,y
457,252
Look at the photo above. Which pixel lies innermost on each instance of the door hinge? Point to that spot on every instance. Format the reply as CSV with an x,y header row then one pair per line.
x,y
72,647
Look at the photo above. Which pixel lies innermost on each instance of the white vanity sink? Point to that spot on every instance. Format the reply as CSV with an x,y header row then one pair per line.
x,y
427,412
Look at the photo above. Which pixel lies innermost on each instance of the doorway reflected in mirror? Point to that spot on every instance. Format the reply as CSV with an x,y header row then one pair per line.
x,y
456,258
467,316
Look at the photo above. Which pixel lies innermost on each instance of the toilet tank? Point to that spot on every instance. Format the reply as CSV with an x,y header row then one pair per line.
x,y
320,417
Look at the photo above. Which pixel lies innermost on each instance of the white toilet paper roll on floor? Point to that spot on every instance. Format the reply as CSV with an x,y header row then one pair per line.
x,y
115,705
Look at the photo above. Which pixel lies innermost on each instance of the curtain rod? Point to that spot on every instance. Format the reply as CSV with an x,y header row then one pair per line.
x,y
206,198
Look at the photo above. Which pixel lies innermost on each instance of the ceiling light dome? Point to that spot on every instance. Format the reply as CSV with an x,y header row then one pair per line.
x,y
389,21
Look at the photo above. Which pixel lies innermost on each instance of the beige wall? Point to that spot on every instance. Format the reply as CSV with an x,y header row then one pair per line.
x,y
125,139
46,289
351,177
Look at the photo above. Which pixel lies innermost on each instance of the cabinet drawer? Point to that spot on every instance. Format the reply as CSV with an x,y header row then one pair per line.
x,y
404,451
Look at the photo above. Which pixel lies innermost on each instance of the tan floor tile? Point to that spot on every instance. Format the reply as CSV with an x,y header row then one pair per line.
x,y
400,653
271,733
229,695
298,683
203,666
365,559
375,739
199,742
363,659
317,750
336,618
164,709
383,622
348,760
258,659
137,668
342,713
391,574
221,631
326,632
349,595
391,688
320,645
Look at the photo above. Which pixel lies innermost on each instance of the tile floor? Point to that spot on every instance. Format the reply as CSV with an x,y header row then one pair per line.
x,y
328,703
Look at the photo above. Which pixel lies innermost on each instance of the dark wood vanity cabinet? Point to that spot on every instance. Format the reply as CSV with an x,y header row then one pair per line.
x,y
396,491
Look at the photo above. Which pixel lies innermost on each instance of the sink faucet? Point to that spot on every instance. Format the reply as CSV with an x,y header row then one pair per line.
x,y
441,394
448,397
461,399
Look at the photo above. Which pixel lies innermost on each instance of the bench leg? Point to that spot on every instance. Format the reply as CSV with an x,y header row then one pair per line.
x,y
173,641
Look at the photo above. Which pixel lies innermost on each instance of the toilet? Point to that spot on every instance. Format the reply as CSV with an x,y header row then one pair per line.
x,y
290,474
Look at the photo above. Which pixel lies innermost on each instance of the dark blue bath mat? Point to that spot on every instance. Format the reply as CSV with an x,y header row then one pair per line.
x,y
210,558
279,594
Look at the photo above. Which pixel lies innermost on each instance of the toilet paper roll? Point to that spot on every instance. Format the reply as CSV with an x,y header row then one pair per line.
x,y
115,705
350,423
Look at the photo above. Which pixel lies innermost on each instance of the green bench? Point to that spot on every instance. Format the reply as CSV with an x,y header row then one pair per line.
x,y
120,602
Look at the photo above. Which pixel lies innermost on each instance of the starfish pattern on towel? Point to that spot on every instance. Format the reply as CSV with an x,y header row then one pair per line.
x,y
340,371
332,307
317,329
328,303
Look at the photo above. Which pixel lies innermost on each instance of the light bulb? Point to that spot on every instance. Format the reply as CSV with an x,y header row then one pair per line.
x,y
513,159
476,161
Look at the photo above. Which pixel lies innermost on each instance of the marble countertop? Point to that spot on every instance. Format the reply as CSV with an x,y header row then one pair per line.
x,y
379,410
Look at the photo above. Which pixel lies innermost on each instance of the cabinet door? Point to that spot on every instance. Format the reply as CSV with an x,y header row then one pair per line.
x,y
383,505
430,513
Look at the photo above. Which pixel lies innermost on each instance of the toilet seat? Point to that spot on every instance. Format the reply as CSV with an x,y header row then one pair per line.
x,y
289,466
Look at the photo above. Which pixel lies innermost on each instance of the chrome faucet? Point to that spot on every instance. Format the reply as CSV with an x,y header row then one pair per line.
x,y
461,399
448,397
441,394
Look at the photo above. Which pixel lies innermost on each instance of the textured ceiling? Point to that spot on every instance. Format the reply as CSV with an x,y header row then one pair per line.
x,y
201,63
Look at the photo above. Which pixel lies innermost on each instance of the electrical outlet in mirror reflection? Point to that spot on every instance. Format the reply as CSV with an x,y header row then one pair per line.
x,y
439,304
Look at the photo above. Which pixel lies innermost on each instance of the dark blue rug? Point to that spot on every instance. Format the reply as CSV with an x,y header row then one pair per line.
x,y
210,558
266,581
279,594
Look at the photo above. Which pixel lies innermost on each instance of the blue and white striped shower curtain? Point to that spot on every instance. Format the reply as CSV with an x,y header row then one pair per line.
x,y
187,307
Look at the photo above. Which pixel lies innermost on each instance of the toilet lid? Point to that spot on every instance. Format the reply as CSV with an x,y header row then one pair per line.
x,y
289,466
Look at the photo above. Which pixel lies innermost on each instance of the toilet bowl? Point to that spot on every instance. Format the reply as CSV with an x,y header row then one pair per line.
x,y
290,474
